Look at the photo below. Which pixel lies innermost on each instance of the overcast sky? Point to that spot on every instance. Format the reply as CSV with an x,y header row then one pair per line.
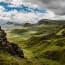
x,y
31,10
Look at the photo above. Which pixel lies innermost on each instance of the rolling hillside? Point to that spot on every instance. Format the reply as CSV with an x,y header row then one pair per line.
x,y
42,44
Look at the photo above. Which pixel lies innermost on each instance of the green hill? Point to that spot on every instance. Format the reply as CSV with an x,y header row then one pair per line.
x,y
48,49
41,43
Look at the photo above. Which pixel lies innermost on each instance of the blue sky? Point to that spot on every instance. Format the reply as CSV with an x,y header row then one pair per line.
x,y
21,8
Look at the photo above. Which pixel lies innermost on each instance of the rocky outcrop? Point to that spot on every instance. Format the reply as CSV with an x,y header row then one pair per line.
x,y
9,47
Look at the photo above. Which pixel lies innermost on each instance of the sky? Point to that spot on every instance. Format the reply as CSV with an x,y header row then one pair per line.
x,y
31,11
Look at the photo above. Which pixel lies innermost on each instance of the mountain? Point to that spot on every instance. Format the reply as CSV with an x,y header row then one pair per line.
x,y
9,24
14,23
44,21
42,44
47,21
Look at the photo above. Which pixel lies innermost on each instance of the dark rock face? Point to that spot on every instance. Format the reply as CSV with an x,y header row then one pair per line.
x,y
14,49
3,38
10,47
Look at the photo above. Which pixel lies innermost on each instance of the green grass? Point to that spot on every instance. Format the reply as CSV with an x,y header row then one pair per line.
x,y
34,47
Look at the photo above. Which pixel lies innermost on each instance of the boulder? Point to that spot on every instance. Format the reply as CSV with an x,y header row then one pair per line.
x,y
16,50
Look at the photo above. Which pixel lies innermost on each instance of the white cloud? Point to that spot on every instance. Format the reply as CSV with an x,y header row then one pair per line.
x,y
1,9
22,17
17,2
31,4
5,1
13,2
25,17
58,17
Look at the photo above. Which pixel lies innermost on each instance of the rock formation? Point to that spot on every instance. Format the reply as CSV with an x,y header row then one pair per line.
x,y
9,47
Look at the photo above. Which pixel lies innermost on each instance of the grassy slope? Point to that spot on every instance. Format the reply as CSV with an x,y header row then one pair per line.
x,y
34,47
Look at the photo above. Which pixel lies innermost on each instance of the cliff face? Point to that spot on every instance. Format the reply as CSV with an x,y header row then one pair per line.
x,y
9,47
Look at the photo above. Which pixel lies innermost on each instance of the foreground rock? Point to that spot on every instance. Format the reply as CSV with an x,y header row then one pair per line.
x,y
9,47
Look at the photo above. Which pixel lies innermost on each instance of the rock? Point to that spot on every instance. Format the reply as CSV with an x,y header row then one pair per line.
x,y
3,38
11,50
4,44
16,50
9,47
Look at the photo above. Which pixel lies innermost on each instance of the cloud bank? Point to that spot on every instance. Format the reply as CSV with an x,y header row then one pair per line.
x,y
57,6
31,11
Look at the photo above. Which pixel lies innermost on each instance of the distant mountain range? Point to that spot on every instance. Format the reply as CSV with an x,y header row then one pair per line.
x,y
5,23
47,21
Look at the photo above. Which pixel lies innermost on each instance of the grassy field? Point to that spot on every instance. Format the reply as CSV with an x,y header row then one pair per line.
x,y
42,44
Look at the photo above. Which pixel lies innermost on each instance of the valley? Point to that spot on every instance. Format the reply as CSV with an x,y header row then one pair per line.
x,y
42,43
